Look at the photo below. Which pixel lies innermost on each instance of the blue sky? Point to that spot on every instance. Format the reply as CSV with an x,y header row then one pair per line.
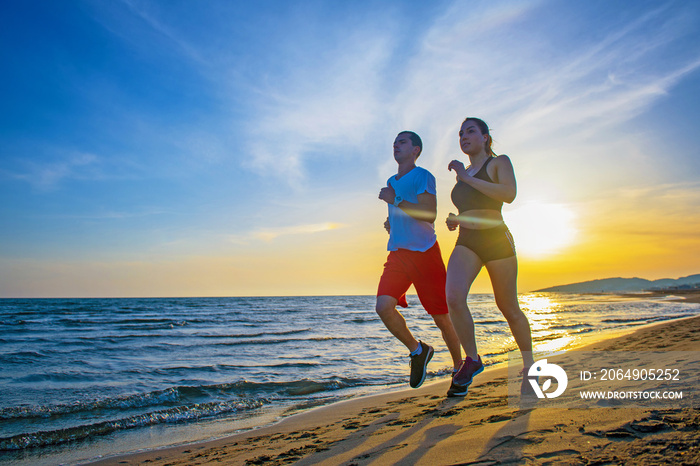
x,y
233,148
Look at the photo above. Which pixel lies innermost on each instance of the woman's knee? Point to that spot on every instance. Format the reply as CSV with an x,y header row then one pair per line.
x,y
513,314
456,298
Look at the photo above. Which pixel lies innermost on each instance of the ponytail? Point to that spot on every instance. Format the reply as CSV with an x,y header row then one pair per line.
x,y
484,128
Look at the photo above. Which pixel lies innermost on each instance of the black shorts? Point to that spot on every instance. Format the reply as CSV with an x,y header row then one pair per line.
x,y
489,244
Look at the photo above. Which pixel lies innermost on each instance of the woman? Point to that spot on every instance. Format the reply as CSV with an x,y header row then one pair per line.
x,y
484,240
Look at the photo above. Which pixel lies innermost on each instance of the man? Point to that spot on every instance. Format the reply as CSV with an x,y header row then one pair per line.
x,y
414,257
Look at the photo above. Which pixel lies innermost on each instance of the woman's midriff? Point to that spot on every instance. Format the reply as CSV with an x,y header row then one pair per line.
x,y
480,219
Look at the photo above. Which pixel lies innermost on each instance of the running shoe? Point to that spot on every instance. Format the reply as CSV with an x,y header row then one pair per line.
x,y
469,369
457,390
419,365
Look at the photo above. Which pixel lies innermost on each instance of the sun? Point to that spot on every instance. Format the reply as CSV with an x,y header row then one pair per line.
x,y
541,229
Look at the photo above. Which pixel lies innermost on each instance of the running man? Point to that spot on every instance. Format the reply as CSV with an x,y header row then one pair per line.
x,y
414,257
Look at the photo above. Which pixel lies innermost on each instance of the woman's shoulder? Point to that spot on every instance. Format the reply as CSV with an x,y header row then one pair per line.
x,y
502,160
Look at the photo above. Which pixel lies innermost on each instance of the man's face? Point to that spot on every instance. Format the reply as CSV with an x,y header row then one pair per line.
x,y
404,150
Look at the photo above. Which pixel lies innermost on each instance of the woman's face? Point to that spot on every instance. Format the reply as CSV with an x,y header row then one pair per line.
x,y
471,140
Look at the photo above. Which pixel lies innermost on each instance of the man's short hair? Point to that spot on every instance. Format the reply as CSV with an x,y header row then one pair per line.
x,y
415,140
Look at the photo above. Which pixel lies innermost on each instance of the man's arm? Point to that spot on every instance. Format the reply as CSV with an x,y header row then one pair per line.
x,y
424,210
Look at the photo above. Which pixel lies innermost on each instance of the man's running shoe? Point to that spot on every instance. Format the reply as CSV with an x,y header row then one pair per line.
x,y
469,369
457,390
419,365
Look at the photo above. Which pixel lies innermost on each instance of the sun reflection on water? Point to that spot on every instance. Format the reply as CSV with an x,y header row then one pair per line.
x,y
541,311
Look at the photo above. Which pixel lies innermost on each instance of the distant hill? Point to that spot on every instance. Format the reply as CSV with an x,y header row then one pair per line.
x,y
625,284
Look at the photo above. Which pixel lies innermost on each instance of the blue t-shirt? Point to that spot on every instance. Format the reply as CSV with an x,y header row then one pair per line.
x,y
406,232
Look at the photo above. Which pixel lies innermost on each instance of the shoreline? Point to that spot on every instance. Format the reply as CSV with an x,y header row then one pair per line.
x,y
678,296
423,426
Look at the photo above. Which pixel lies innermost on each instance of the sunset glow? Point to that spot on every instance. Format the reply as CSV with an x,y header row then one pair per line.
x,y
238,148
542,229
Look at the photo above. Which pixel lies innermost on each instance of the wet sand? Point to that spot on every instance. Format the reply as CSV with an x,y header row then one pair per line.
x,y
425,427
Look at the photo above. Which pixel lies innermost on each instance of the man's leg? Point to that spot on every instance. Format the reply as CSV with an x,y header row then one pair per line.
x,y
420,352
394,321
429,277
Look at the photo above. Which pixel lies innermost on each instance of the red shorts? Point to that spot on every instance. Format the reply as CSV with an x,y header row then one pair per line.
x,y
425,270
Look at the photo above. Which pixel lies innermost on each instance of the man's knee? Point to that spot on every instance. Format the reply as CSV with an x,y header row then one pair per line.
x,y
442,321
385,305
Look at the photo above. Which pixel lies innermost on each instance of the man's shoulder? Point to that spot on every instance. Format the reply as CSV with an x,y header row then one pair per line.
x,y
416,175
421,172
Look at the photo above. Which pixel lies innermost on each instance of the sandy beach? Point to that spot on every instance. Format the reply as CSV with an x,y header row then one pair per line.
x,y
423,426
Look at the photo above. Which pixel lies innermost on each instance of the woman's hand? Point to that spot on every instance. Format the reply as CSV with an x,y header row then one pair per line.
x,y
458,167
452,222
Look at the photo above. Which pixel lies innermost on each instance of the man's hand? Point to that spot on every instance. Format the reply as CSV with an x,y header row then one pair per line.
x,y
452,222
387,225
387,195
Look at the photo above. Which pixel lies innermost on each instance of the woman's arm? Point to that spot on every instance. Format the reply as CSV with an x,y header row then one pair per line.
x,y
502,189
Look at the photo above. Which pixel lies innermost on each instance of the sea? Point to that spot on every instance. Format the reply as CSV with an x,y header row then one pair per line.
x,y
84,379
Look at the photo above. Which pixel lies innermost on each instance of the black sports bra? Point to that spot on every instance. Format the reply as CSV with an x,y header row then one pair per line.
x,y
467,198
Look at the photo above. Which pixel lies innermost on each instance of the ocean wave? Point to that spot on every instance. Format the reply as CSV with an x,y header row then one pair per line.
x,y
572,326
360,320
541,338
185,394
20,356
128,366
490,322
155,398
256,335
60,377
648,319
291,388
259,341
166,416
497,354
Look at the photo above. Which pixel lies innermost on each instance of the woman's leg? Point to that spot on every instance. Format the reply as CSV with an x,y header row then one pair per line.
x,y
462,269
504,275
449,335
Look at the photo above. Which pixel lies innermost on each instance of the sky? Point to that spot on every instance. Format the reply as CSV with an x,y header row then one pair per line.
x,y
230,148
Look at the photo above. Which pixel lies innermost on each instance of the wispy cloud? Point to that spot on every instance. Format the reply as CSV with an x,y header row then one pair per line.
x,y
494,60
47,176
270,234
531,84
150,15
319,104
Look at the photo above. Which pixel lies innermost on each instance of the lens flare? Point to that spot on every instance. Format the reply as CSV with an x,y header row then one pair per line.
x,y
541,229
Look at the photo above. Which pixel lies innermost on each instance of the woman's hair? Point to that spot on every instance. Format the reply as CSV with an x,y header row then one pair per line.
x,y
484,128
